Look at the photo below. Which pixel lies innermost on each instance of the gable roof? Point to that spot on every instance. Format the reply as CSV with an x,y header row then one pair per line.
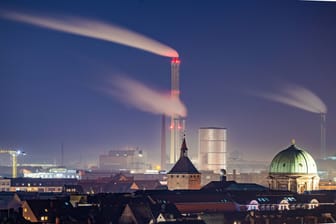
x,y
9,200
146,184
164,208
136,213
143,209
41,207
233,186
120,187
120,177
184,166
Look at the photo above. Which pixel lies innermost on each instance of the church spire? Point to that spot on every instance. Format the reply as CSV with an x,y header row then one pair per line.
x,y
184,149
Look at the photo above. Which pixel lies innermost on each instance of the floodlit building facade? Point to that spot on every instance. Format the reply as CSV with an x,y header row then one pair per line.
x,y
116,160
54,173
212,151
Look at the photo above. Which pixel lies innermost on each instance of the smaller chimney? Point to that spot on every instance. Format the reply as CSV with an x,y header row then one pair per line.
x,y
222,174
234,175
163,142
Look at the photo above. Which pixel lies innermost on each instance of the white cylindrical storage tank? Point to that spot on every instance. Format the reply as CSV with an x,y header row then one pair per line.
x,y
212,148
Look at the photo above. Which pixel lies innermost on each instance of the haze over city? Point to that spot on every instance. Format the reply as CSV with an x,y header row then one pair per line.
x,y
237,58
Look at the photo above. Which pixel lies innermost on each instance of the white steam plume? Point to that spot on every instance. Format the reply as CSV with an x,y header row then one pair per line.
x,y
318,0
143,98
93,29
298,97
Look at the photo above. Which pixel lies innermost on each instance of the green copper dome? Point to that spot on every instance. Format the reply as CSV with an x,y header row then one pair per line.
x,y
293,160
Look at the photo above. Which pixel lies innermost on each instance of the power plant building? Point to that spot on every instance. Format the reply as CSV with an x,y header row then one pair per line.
x,y
212,149
116,160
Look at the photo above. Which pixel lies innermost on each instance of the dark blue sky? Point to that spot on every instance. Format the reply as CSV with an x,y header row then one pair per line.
x,y
49,79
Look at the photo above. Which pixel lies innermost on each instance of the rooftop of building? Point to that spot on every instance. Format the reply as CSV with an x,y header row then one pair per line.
x,y
293,160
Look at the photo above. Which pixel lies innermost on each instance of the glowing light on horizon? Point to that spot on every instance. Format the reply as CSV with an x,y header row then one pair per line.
x,y
138,95
93,29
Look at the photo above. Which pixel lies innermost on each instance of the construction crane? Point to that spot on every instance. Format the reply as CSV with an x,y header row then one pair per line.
x,y
14,154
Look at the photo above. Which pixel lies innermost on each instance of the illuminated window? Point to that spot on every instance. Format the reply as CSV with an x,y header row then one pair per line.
x,y
25,210
44,218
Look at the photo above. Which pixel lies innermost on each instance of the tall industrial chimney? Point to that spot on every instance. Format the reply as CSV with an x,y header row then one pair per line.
x,y
177,125
163,143
323,136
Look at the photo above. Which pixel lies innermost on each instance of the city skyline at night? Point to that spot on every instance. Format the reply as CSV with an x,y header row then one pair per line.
x,y
51,81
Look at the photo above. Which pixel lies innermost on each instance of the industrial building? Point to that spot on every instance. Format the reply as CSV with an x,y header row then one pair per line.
x,y
212,151
130,159
55,185
54,173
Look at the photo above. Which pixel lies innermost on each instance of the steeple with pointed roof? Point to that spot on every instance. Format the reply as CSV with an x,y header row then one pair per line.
x,y
184,174
184,165
184,149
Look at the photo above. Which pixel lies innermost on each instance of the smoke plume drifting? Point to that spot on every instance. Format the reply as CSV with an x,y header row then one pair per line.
x,y
143,98
319,0
93,29
298,97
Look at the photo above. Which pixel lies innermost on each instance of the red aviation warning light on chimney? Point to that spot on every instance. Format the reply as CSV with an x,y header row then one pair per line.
x,y
175,60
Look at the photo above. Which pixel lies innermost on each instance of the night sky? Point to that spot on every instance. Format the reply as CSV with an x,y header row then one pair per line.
x,y
50,80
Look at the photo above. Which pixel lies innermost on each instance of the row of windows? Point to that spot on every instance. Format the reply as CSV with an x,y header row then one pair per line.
x,y
273,207
43,183
5,183
4,189
28,184
39,189
192,176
